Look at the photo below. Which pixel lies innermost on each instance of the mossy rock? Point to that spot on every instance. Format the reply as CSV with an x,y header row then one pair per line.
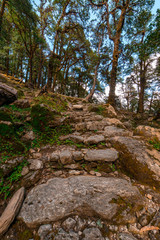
x,y
5,116
6,129
41,116
99,109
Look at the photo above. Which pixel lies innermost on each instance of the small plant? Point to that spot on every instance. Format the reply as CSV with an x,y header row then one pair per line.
x,y
5,185
103,143
112,166
155,143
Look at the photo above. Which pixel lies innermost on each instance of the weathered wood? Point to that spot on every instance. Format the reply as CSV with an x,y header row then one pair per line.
x,y
11,210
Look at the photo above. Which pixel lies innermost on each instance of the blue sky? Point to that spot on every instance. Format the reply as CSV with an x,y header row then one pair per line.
x,y
156,6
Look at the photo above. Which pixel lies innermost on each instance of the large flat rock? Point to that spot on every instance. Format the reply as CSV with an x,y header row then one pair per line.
x,y
106,155
136,160
111,131
92,196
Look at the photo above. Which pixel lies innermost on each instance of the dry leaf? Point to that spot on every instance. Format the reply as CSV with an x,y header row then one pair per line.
x,y
148,228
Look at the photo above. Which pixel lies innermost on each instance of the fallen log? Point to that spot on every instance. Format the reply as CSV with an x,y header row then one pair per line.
x,y
11,210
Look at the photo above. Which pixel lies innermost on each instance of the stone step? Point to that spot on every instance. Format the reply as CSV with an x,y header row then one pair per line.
x,y
137,160
96,196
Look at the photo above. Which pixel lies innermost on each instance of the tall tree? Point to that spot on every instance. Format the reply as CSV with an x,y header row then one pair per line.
x,y
115,13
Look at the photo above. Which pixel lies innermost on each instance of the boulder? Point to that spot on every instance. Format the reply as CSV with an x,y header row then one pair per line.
x,y
66,157
22,103
29,136
92,234
7,168
94,139
107,155
11,210
136,161
111,131
105,110
35,164
115,122
59,198
42,117
148,132
7,94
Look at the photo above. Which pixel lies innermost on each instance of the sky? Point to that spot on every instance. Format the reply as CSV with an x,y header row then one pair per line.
x,y
156,6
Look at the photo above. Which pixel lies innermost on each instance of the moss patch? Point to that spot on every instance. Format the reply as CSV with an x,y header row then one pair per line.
x,y
41,117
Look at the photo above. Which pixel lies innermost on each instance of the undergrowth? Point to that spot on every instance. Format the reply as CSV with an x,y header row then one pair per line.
x,y
155,143
6,183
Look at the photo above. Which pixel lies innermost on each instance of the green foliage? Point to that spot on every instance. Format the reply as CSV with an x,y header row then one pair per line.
x,y
51,136
155,143
41,116
6,184
53,101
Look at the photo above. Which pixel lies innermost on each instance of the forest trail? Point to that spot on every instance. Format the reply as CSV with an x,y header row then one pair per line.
x,y
99,180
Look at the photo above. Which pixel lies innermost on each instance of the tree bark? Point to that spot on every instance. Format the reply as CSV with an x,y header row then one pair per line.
x,y
116,41
2,13
30,69
142,87
90,95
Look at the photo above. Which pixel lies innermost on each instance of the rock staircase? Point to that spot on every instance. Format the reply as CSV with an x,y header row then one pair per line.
x,y
99,184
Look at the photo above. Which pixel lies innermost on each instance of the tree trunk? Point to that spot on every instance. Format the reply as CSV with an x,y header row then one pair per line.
x,y
7,63
142,88
30,69
111,99
116,40
2,13
89,96
50,71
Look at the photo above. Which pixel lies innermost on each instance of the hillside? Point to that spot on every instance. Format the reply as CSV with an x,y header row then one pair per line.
x,y
76,170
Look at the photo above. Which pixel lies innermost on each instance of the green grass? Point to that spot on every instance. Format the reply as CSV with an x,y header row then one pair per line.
x,y
155,143
6,184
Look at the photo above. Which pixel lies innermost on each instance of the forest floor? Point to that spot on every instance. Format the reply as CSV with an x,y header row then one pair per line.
x,y
89,172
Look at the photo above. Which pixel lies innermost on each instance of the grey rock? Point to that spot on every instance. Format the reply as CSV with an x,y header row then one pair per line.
x,y
69,224
148,132
77,155
94,139
25,171
35,164
74,172
44,230
92,234
31,178
76,138
59,198
107,155
136,161
8,167
73,166
22,103
111,131
77,107
144,220
81,223
96,125
66,157
126,236
62,235
7,94
58,173
29,136
80,126
53,157
36,155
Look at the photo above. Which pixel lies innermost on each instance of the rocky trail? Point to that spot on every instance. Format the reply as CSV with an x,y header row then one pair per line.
x,y
101,182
